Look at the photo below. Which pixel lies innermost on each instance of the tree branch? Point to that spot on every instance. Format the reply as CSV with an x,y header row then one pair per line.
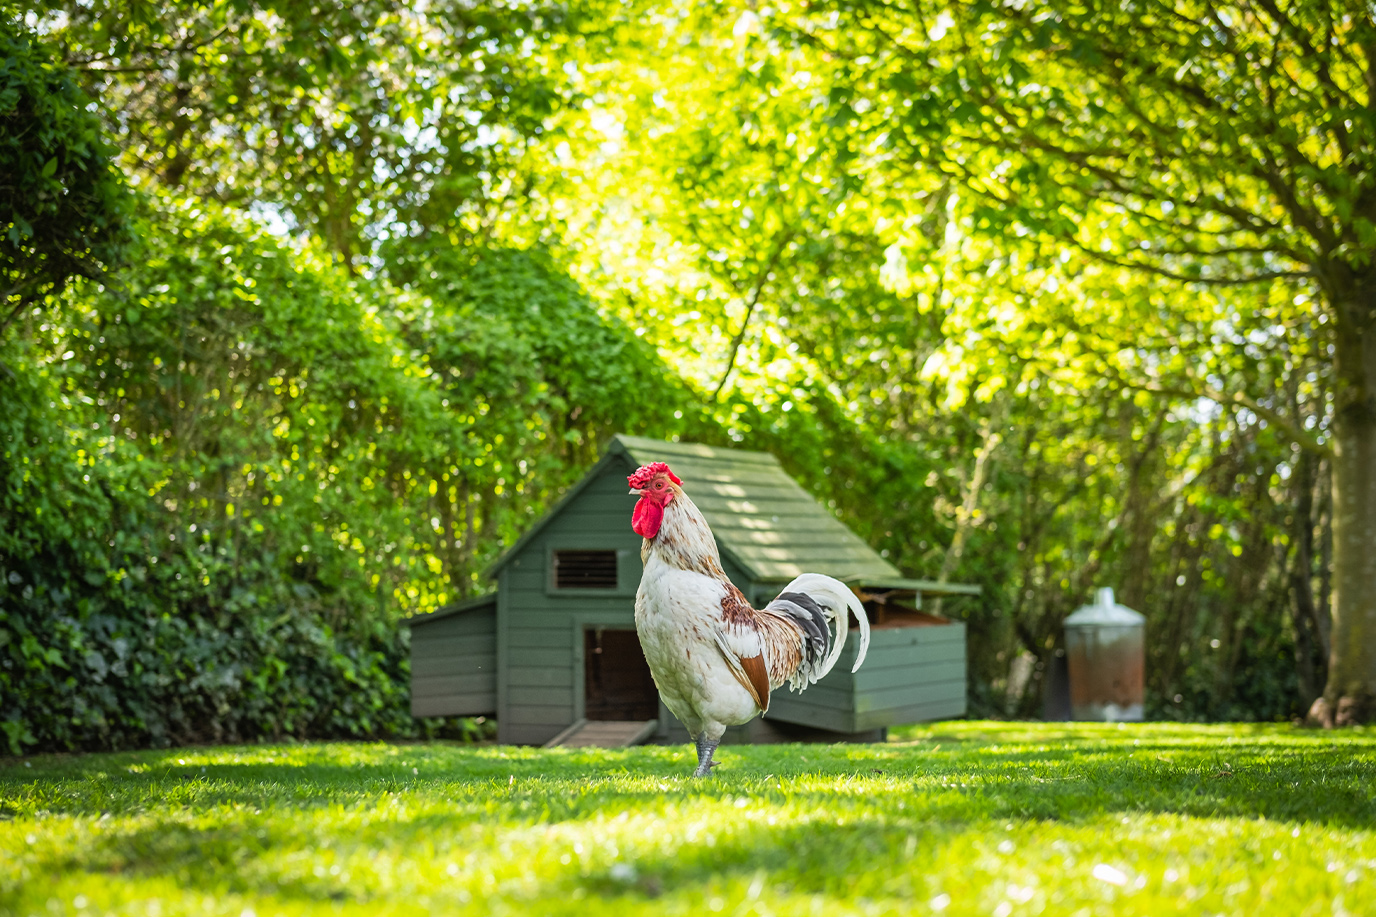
x,y
1234,399
749,310
1133,264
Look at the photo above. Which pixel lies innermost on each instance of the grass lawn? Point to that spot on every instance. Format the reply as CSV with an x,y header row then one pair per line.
x,y
950,818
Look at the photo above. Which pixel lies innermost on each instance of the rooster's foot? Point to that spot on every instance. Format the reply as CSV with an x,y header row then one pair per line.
x,y
705,762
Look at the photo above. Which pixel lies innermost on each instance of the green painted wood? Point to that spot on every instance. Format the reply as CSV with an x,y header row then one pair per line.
x,y
530,579
916,713
791,514
890,698
741,492
612,523
540,676
449,647
539,715
559,657
471,627
628,571
610,517
426,644
453,662
658,451
612,461
902,639
849,689
759,489
536,584
544,695
861,708
484,603
817,716
532,735
612,612
773,535
539,637
450,665
463,683
796,708
503,653
735,573
477,623
836,697
611,485
870,702
468,705
802,554
886,657
891,657
867,679
925,633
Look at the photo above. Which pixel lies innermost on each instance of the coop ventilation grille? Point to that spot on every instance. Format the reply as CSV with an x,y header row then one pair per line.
x,y
584,569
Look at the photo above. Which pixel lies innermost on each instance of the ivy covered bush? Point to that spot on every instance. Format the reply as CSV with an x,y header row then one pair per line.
x,y
230,474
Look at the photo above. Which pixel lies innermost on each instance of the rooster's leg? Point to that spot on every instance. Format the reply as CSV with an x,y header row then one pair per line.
x,y
705,763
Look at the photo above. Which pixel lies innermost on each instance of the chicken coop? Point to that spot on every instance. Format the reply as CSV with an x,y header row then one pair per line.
x,y
553,652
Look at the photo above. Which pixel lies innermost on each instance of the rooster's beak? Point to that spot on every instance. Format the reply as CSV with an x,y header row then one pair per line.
x,y
635,493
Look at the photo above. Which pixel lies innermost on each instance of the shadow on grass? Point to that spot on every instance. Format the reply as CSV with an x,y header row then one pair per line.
x,y
833,851
811,858
838,808
1328,785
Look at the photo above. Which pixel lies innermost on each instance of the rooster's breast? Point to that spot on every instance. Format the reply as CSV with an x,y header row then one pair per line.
x,y
677,613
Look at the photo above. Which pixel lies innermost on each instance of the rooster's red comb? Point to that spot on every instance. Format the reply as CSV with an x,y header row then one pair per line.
x,y
646,473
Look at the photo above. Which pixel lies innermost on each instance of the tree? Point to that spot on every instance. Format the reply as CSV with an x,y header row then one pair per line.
x,y
62,205
911,363
348,121
1217,146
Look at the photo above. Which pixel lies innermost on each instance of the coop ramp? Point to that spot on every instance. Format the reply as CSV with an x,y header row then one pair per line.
x,y
604,734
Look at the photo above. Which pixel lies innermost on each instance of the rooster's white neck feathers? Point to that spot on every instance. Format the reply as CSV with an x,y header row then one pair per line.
x,y
685,540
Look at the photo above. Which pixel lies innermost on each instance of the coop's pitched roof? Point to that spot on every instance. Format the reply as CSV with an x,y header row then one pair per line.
x,y
453,608
764,521
762,518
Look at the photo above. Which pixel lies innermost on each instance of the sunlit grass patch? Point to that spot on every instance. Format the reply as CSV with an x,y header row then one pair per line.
x,y
952,818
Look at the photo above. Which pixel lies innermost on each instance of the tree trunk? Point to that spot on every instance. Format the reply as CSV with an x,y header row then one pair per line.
x,y
1350,696
1308,637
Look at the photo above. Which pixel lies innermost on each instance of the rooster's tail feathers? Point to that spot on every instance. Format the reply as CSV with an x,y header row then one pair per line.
x,y
811,601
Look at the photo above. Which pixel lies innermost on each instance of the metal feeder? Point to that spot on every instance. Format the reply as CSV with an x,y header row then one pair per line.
x,y
1105,651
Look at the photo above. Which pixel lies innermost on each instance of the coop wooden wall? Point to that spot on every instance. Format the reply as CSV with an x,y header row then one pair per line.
x,y
454,664
911,674
539,641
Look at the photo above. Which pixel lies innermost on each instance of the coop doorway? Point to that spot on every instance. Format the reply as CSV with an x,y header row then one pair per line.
x,y
617,680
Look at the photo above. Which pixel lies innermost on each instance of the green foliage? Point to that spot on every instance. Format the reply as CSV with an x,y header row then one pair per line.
x,y
338,118
1215,148
812,205
960,818
62,205
228,477
155,589
901,248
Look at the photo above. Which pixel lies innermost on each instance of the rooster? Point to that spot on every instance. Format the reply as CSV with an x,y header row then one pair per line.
x,y
714,658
